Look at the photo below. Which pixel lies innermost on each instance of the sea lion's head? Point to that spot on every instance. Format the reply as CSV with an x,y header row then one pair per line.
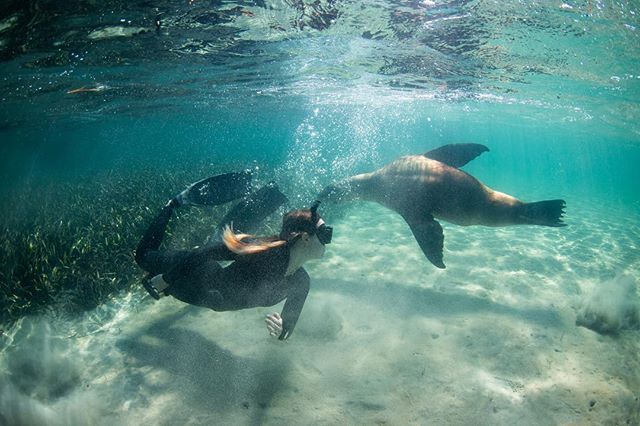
x,y
336,193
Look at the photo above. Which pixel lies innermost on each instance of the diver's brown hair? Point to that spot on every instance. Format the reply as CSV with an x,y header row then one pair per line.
x,y
294,223
235,243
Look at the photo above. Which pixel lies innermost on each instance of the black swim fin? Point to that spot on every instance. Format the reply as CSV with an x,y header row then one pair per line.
x,y
456,154
249,213
428,233
216,190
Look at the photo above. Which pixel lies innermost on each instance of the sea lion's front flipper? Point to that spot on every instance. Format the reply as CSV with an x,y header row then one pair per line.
x,y
457,154
428,233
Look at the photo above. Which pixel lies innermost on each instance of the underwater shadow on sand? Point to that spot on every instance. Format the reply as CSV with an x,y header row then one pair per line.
x,y
405,300
207,376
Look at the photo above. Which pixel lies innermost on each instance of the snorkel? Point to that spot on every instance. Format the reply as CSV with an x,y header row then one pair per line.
x,y
324,232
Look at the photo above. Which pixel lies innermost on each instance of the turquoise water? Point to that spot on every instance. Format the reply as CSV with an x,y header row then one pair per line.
x,y
308,93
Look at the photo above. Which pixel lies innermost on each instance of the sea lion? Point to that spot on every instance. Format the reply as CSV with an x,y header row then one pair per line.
x,y
425,187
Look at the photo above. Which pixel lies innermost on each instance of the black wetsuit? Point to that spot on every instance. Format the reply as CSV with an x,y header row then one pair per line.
x,y
195,276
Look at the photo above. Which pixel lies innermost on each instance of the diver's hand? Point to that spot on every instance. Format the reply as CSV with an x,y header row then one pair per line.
x,y
274,324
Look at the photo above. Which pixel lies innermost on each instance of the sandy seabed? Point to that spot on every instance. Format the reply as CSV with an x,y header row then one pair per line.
x,y
384,338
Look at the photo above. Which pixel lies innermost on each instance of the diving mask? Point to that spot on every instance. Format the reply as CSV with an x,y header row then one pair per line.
x,y
324,232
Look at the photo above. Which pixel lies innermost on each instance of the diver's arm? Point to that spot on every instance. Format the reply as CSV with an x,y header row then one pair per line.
x,y
299,288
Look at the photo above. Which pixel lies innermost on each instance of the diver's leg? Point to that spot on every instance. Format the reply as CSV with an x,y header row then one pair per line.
x,y
210,191
216,190
154,234
195,280
248,214
147,254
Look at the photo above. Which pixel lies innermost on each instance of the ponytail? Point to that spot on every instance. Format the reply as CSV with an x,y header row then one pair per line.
x,y
235,243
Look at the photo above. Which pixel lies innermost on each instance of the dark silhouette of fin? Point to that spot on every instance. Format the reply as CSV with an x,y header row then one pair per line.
x,y
247,215
216,190
428,233
545,213
457,154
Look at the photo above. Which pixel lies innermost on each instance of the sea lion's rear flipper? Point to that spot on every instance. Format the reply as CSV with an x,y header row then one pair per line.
x,y
428,233
457,154
249,213
216,190
544,213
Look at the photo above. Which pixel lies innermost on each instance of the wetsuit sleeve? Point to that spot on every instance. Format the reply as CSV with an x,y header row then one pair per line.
x,y
298,290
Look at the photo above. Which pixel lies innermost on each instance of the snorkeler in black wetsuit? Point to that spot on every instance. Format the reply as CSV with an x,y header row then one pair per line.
x,y
265,270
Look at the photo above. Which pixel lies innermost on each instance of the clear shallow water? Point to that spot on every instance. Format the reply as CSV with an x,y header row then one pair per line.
x,y
306,94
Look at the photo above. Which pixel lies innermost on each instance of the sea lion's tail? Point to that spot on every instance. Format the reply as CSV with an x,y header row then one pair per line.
x,y
545,213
